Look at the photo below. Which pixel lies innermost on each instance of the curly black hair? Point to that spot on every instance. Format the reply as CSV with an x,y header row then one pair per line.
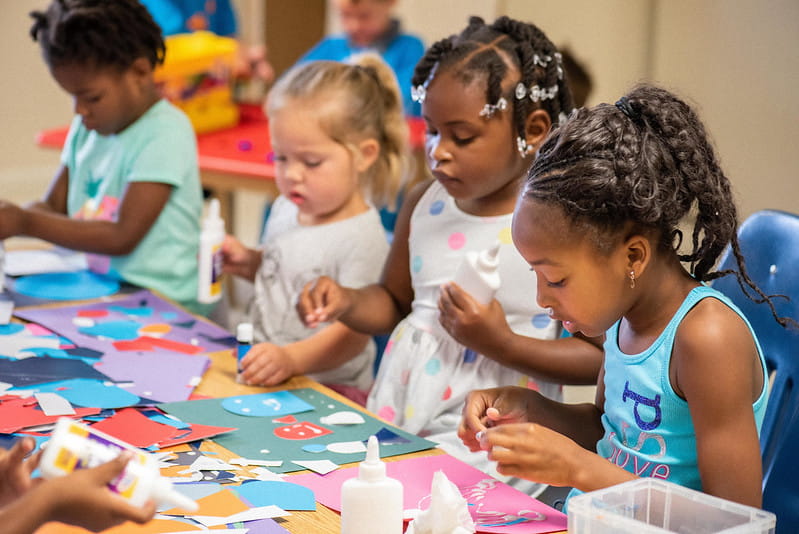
x,y
103,33
647,162
484,51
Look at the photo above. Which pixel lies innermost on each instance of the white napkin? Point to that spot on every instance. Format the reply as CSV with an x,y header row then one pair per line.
x,y
448,512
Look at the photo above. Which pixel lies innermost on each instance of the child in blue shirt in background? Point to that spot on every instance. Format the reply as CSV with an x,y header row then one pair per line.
x,y
369,27
128,189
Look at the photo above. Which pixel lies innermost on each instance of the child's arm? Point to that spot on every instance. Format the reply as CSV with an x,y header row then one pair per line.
x,y
81,498
572,360
240,260
140,207
716,368
377,308
268,364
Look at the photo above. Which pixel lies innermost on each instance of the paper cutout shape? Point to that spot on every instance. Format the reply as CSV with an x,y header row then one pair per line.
x,y
495,507
386,436
48,260
301,430
346,447
11,328
221,503
17,413
342,418
322,467
116,330
91,393
132,427
286,495
54,404
195,433
287,420
251,437
314,447
66,286
266,404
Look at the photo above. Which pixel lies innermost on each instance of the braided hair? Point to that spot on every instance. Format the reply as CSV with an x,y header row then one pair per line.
x,y
488,51
645,164
106,33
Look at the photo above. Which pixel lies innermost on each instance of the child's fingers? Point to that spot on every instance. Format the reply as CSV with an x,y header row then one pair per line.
x,y
111,469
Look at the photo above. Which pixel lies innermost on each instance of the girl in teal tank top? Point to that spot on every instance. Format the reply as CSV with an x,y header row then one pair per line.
x,y
684,385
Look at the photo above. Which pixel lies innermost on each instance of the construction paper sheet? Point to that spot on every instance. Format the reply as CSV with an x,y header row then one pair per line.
x,y
49,260
132,427
495,507
222,504
156,526
89,325
66,286
19,413
286,495
194,433
91,393
263,526
6,308
42,369
160,377
283,441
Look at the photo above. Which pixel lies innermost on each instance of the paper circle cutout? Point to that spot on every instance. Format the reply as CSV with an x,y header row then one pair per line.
x,y
66,286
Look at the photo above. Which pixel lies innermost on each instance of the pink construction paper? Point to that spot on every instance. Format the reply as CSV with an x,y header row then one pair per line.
x,y
495,507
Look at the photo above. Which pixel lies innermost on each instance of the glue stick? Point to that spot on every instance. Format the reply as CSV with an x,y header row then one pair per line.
x,y
209,261
73,445
243,345
372,500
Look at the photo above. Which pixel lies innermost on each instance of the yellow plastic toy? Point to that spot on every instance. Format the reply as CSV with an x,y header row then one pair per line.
x,y
197,76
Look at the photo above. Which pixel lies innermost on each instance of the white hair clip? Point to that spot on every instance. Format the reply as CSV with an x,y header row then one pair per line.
x,y
536,93
489,109
559,64
523,147
419,93
541,61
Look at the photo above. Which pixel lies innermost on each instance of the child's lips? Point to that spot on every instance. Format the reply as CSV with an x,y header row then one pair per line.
x,y
296,198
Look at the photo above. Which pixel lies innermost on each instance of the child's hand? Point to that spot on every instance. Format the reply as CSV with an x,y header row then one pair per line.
x,y
468,322
239,260
322,301
82,498
535,452
267,365
15,471
487,408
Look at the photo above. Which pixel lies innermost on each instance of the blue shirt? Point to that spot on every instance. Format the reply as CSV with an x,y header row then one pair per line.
x,y
400,50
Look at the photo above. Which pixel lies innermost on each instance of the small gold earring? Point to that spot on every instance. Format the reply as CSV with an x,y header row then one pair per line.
x,y
632,279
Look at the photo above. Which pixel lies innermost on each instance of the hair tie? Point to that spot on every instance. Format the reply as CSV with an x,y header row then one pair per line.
x,y
624,106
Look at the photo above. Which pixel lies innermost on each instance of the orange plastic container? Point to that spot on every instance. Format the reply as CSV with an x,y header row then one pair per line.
x,y
197,76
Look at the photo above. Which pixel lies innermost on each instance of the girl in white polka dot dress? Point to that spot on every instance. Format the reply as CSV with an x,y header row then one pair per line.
x,y
489,97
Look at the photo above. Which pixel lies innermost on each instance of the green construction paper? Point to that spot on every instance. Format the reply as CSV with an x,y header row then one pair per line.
x,y
255,434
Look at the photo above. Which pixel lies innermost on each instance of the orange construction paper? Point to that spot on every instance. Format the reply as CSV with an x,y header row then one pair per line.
x,y
222,504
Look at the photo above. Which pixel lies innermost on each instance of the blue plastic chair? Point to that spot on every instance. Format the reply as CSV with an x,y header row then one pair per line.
x,y
770,245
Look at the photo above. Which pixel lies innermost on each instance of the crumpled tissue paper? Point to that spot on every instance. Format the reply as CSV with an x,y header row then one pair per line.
x,y
448,512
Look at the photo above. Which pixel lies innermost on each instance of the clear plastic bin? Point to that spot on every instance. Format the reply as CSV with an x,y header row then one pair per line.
x,y
197,76
649,505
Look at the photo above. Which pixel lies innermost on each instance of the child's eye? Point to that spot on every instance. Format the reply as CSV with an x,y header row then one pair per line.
x,y
312,163
559,283
94,99
463,141
278,158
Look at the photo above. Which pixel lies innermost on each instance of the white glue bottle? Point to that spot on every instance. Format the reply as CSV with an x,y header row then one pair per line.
x,y
478,274
73,445
371,501
209,261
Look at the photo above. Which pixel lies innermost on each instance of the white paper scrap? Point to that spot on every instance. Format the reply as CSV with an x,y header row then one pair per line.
x,y
322,467
262,463
342,418
261,512
54,404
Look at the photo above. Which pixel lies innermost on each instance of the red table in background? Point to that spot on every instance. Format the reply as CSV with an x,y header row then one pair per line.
x,y
237,158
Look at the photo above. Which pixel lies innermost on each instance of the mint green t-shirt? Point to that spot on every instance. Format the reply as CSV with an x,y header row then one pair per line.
x,y
160,146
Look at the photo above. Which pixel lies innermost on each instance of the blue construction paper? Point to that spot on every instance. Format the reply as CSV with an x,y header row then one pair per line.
x,y
314,447
84,352
66,286
387,436
43,369
138,311
273,404
286,495
59,353
158,417
90,393
11,328
116,330
197,490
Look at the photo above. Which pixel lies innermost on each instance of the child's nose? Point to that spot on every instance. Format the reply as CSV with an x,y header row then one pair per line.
x,y
436,152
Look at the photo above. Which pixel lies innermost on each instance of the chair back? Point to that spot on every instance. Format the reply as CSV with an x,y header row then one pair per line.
x,y
770,245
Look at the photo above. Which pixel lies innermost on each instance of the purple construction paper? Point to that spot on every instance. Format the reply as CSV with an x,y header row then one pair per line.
x,y
161,377
60,320
262,526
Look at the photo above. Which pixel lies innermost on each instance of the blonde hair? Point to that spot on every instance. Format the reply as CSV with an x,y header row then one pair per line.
x,y
355,101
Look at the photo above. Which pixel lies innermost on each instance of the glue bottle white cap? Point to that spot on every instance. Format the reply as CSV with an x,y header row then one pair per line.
x,y
478,274
371,499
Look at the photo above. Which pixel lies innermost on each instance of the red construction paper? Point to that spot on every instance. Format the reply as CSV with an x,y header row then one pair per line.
x,y
130,426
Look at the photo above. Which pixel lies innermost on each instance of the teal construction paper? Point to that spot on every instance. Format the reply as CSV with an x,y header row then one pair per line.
x,y
256,434
11,328
286,495
66,286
